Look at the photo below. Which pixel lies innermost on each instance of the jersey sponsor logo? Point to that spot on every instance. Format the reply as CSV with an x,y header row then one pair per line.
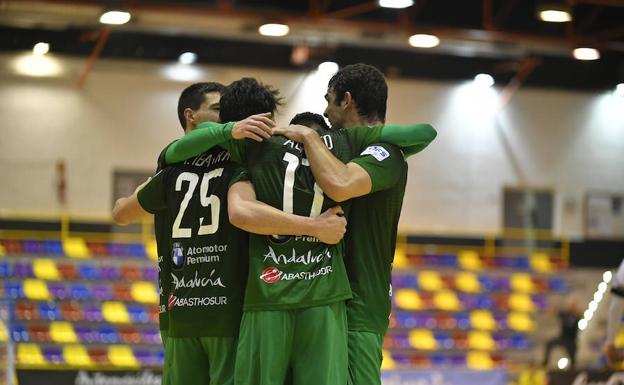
x,y
307,275
162,309
305,259
206,249
197,281
270,275
377,152
203,259
177,255
171,301
200,301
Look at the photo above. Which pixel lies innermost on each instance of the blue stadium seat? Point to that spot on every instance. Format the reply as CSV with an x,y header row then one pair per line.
x,y
58,290
463,321
88,271
137,250
449,260
33,247
107,334
49,311
137,313
5,269
558,285
520,341
53,354
80,292
487,283
484,302
20,333
23,269
85,334
14,290
53,248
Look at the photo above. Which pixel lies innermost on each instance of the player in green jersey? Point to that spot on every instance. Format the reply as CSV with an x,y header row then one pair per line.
x,y
304,279
357,96
204,314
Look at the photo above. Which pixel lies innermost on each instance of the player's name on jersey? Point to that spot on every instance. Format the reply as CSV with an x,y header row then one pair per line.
x,y
327,139
197,301
197,281
207,159
305,259
207,249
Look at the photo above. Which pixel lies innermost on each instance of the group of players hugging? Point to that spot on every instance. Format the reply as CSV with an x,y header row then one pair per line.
x,y
276,243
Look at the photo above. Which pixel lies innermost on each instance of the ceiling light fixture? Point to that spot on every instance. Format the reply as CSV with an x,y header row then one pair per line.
x,y
41,49
586,54
328,67
188,58
484,80
555,16
115,17
396,4
619,91
424,41
273,29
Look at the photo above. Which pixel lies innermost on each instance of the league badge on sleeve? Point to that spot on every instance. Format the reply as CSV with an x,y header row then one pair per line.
x,y
377,152
177,255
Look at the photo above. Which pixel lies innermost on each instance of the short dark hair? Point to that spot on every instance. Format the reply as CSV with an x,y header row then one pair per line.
x,y
367,86
193,96
309,119
246,97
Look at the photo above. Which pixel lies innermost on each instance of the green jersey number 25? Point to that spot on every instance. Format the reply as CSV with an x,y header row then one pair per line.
x,y
206,200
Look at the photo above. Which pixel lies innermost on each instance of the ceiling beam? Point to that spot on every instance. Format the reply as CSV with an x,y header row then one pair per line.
x,y
525,69
95,54
504,12
488,15
355,10
605,3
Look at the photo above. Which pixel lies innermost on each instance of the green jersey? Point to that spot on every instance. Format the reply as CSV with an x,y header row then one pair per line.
x,y
371,238
299,271
162,233
207,255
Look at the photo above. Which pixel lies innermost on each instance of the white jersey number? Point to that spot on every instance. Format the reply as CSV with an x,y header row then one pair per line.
x,y
206,200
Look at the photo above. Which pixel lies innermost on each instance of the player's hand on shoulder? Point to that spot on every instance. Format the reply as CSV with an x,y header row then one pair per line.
x,y
294,132
331,225
257,127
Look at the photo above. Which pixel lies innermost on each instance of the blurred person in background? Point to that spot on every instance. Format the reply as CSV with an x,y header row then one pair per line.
x,y
568,316
614,317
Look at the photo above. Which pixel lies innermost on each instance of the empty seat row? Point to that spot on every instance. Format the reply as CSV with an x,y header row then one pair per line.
x,y
49,269
108,311
78,355
469,282
410,299
474,360
477,319
425,339
74,247
66,332
471,260
39,290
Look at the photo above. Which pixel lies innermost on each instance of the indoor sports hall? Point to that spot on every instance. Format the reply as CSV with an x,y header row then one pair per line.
x,y
505,269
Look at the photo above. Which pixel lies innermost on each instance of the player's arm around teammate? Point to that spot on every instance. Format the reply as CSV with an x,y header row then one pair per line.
x,y
251,215
342,181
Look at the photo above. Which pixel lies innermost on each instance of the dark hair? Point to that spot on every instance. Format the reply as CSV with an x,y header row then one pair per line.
x,y
246,97
193,96
367,87
309,119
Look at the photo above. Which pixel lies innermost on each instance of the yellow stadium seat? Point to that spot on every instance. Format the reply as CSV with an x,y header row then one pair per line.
x,y
479,361
76,355
422,339
540,262
521,302
46,269
36,289
408,299
480,340
2,251
121,355
522,283
152,250
4,335
521,322
400,257
144,292
387,363
619,339
430,281
62,332
75,248
446,300
115,312
482,320
30,354
467,282
469,260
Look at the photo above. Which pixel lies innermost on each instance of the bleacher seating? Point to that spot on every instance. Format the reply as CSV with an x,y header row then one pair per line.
x,y
87,303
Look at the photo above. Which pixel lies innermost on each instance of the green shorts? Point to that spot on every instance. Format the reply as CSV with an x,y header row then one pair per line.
x,y
164,335
309,344
200,360
365,358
